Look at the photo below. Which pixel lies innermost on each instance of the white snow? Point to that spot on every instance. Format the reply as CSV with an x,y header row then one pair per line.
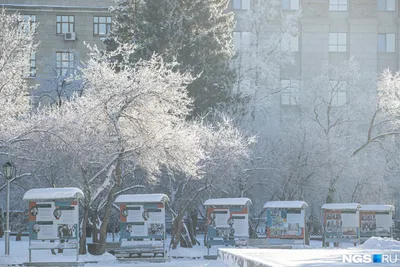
x,y
142,198
298,257
286,204
53,193
377,208
381,243
19,254
228,202
341,206
142,243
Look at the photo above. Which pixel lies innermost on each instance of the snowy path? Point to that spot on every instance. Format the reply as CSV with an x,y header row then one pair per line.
x,y
306,257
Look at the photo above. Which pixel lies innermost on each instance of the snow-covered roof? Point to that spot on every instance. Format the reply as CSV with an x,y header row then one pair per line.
x,y
377,208
142,198
53,193
228,202
341,206
285,204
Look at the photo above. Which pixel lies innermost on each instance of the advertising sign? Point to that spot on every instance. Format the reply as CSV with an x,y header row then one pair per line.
x,y
142,220
228,223
285,223
341,224
53,220
375,224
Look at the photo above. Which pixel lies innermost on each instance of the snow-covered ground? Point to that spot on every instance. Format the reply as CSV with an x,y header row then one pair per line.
x,y
312,255
317,257
181,257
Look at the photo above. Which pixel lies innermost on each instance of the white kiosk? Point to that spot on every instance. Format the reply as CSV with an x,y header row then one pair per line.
x,y
142,226
53,219
341,223
286,222
376,220
227,222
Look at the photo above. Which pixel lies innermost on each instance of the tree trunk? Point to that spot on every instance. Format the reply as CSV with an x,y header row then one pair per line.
x,y
176,231
108,207
19,235
95,230
82,241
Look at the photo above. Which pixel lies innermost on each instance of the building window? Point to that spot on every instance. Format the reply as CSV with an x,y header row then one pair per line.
x,y
101,25
338,5
32,66
65,63
290,4
241,4
338,90
290,43
387,42
241,40
27,22
290,92
386,5
338,42
65,24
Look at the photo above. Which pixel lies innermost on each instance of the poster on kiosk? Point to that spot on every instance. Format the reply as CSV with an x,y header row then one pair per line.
x,y
53,213
285,221
227,221
341,222
142,216
376,220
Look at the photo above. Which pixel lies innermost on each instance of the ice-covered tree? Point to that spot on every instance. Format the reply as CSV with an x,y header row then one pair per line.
x,y
196,34
16,46
265,44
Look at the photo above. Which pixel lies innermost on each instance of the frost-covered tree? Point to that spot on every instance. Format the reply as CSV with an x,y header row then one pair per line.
x,y
16,46
264,46
227,149
384,118
196,34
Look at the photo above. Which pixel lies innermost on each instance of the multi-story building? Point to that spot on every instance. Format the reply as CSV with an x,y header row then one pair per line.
x,y
331,31
63,27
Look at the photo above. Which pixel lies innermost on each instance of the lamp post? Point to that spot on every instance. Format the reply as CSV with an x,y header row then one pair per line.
x,y
7,172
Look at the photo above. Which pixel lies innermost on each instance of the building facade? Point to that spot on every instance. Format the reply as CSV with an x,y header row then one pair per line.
x,y
330,32
63,28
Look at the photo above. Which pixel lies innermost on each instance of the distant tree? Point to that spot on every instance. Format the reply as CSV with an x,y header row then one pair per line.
x,y
195,34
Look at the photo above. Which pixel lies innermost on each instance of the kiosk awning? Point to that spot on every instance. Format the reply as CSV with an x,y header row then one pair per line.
x,y
285,204
142,198
228,202
341,206
377,208
53,193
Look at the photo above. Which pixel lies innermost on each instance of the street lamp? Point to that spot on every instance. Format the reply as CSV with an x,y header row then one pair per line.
x,y
8,173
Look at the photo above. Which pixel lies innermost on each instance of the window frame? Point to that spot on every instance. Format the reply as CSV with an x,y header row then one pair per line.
x,y
241,7
22,22
385,2
59,24
291,91
59,67
291,6
32,69
97,25
386,42
338,5
337,44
